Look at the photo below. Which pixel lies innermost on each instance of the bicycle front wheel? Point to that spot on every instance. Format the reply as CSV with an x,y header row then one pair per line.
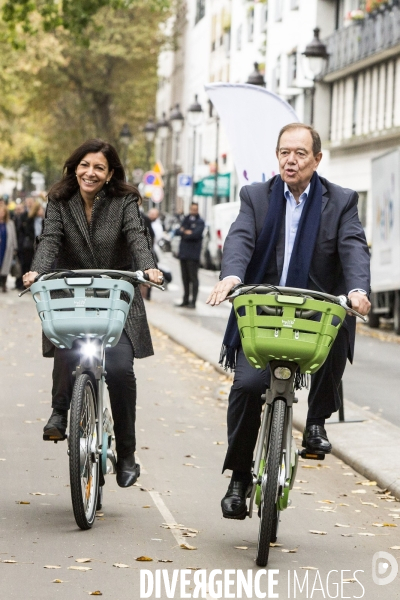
x,y
270,484
83,463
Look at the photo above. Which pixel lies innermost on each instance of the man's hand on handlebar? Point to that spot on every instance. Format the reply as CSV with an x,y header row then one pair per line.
x,y
155,276
221,290
29,278
360,303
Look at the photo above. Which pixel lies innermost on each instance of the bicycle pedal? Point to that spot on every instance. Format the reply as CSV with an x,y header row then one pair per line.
x,y
307,454
53,438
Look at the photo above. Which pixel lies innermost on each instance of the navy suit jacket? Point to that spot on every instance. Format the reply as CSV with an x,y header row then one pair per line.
x,y
341,256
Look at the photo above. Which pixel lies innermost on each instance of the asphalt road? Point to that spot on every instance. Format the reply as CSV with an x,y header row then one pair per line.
x,y
374,378
181,445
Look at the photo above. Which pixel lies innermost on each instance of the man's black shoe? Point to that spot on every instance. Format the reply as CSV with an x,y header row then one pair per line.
x,y
191,305
316,440
127,471
233,504
56,426
182,304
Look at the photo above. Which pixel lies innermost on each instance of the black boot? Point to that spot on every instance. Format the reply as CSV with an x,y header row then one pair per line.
x,y
128,470
56,426
233,504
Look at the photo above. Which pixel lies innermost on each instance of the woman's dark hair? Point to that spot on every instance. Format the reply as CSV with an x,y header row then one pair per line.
x,y
68,184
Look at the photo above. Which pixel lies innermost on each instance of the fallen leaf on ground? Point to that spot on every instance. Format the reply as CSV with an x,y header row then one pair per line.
x,y
326,501
331,510
309,467
21,502
310,568
9,561
308,493
383,525
188,534
52,567
29,374
121,566
80,568
394,548
347,534
58,581
274,545
218,443
369,504
145,448
2,459
188,547
144,558
350,580
146,506
317,532
344,504
96,593
165,560
366,483
340,525
99,514
291,551
241,547
83,560
358,491
188,464
367,534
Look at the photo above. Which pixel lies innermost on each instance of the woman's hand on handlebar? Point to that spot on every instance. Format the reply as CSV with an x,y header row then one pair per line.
x,y
360,303
29,278
221,290
155,276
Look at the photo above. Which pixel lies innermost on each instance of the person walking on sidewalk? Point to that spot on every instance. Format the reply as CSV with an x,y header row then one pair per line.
x,y
8,245
297,230
93,222
191,232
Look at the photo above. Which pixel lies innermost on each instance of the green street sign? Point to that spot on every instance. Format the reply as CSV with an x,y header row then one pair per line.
x,y
206,186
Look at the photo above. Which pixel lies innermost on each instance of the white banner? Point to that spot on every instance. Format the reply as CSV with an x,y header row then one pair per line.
x,y
252,118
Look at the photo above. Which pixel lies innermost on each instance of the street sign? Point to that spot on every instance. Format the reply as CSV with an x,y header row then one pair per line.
x,y
157,195
137,175
184,180
152,178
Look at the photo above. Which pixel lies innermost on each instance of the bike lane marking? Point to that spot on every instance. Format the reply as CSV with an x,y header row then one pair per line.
x,y
165,512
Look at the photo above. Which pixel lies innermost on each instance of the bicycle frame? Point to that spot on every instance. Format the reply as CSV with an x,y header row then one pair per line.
x,y
279,389
94,365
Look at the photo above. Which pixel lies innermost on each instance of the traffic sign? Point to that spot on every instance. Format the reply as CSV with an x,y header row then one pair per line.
x,y
152,178
184,180
157,194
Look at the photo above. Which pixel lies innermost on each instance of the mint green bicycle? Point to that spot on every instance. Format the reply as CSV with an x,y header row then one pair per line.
x,y
87,310
293,331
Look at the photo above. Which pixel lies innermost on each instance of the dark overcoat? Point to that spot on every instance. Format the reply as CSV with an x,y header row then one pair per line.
x,y
190,246
115,239
340,261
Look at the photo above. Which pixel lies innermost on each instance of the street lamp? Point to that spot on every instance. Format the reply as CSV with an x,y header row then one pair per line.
x,y
195,117
150,133
255,77
176,119
317,56
162,132
125,138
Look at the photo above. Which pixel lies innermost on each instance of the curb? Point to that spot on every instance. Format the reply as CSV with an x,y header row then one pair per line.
x,y
367,443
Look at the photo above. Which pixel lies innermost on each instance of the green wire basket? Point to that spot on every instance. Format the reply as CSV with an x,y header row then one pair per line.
x,y
287,335
81,307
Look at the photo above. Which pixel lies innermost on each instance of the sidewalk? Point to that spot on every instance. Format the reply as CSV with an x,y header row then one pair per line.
x,y
369,444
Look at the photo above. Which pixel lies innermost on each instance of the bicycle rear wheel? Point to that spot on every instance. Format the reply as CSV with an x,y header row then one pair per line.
x,y
269,515
83,465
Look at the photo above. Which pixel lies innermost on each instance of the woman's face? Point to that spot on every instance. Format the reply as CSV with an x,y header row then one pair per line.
x,y
92,173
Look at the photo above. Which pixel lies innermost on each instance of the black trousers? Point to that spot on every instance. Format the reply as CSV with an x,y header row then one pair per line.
x,y
121,384
190,279
245,404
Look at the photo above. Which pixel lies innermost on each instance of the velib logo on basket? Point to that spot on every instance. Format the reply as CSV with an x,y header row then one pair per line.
x,y
384,568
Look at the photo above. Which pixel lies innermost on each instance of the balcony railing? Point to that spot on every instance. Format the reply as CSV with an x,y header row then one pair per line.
x,y
363,39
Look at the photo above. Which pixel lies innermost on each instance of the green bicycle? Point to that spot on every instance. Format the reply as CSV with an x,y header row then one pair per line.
x,y
87,310
293,331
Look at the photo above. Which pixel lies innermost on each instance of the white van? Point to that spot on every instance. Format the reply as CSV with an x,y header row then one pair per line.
x,y
222,217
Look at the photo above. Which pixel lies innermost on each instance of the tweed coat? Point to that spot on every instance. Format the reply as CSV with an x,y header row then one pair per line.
x,y
116,238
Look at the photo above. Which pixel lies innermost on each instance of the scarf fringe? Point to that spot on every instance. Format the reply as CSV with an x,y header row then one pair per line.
x,y
227,357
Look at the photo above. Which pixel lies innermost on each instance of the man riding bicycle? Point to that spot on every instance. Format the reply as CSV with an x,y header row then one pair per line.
x,y
297,230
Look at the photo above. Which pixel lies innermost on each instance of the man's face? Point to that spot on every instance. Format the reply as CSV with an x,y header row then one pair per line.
x,y
194,209
297,162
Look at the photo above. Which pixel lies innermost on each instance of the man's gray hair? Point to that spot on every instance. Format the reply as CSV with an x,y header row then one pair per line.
x,y
316,140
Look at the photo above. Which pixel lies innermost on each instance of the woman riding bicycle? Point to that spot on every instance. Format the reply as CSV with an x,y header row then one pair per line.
x,y
93,222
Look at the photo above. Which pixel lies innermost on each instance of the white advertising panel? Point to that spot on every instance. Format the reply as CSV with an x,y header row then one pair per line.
x,y
252,118
385,252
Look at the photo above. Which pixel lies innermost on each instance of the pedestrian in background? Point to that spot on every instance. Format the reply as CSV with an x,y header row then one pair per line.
x,y
191,232
157,227
8,245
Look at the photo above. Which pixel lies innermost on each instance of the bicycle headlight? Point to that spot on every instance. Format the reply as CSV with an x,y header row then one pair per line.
x,y
282,373
89,349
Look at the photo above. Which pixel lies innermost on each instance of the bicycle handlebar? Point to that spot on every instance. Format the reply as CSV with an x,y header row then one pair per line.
x,y
137,276
342,300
